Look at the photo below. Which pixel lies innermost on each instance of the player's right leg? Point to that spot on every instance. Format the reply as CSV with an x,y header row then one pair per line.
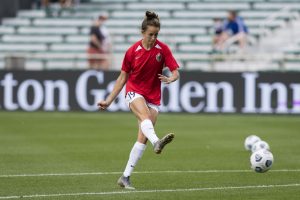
x,y
159,145
146,115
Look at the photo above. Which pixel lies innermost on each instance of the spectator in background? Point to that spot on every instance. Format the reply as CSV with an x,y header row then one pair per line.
x,y
65,5
218,29
233,29
47,6
100,45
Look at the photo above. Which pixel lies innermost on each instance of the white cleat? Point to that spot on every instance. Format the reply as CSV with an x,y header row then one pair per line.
x,y
124,182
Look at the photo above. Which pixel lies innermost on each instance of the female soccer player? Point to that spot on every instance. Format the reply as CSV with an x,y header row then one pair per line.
x,y
142,73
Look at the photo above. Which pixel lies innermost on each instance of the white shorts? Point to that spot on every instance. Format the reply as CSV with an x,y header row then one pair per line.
x,y
131,96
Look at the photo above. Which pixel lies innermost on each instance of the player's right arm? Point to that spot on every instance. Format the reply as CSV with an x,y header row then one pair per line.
x,y
121,81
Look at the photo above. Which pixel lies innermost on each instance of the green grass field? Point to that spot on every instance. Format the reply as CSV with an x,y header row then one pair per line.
x,y
81,155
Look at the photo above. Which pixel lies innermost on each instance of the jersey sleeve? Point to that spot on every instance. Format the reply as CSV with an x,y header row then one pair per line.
x,y
126,66
170,61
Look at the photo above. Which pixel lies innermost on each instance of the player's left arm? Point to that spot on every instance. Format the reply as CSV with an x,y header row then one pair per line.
x,y
172,78
173,66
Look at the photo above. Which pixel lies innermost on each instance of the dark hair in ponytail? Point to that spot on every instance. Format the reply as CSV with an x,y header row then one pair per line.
x,y
151,19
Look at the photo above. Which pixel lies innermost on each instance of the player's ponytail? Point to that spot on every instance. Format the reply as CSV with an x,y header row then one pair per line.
x,y
151,19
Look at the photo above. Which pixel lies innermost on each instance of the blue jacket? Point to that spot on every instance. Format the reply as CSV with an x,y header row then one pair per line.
x,y
235,27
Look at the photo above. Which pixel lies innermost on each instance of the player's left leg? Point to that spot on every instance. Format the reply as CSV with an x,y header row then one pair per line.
x,y
136,153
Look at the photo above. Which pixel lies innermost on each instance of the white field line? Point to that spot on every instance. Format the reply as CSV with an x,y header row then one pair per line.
x,y
152,191
142,172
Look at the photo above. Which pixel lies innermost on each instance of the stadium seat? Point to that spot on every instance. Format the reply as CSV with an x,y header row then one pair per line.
x,y
68,47
77,39
31,14
262,14
34,65
235,66
194,65
218,6
203,39
276,6
67,65
48,30
152,6
16,22
194,48
202,15
6,30
121,47
32,38
61,22
102,5
187,26
136,14
22,47
292,66
183,31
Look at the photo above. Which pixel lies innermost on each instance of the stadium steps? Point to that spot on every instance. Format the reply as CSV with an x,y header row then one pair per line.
x,y
186,26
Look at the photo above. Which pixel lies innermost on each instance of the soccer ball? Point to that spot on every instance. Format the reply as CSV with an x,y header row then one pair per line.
x,y
250,140
260,145
261,160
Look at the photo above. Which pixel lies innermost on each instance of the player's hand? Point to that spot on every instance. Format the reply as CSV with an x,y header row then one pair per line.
x,y
164,79
102,105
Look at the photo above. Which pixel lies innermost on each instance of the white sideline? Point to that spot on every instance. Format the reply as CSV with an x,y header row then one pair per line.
x,y
151,191
141,172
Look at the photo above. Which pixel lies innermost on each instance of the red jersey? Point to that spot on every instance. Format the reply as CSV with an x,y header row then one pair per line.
x,y
144,66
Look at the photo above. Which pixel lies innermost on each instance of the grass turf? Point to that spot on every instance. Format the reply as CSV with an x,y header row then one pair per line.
x,y
42,143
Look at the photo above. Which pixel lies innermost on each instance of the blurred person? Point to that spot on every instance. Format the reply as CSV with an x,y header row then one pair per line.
x,y
37,4
233,29
100,44
218,29
142,73
66,5
46,4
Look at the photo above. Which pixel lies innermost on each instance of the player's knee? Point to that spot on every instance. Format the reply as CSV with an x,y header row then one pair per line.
x,y
145,116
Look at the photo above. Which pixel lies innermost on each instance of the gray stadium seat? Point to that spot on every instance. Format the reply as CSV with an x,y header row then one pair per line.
x,y
48,30
68,47
292,66
153,6
34,65
67,65
6,30
136,14
62,22
187,27
219,6
276,6
16,22
22,47
77,39
32,38
202,15
32,14
203,39
196,65
194,48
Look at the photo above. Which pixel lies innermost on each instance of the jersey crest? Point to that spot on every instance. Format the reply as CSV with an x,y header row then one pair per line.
x,y
158,57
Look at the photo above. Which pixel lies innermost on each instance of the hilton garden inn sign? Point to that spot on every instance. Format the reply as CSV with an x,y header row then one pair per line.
x,y
195,92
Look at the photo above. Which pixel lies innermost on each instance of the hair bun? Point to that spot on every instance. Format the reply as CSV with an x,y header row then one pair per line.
x,y
151,15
